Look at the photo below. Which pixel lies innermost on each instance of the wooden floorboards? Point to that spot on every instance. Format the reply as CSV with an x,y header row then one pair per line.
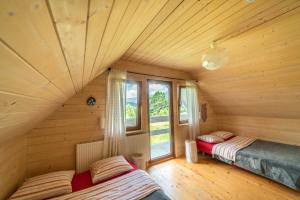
x,y
211,179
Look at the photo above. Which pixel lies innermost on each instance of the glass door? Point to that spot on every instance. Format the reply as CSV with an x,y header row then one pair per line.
x,y
160,116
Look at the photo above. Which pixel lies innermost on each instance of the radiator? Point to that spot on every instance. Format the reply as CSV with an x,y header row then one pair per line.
x,y
86,154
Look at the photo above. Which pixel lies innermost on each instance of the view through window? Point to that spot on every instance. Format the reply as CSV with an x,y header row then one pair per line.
x,y
159,94
133,117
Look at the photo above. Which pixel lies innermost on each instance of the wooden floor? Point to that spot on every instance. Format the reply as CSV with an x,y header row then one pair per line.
x,y
212,179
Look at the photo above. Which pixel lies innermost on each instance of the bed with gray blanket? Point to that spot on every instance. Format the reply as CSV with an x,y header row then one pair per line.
x,y
157,195
279,162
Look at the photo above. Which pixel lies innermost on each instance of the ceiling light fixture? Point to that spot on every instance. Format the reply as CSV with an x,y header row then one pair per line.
x,y
249,1
214,58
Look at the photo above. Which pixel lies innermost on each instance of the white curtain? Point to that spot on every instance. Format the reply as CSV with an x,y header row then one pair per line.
x,y
193,109
115,129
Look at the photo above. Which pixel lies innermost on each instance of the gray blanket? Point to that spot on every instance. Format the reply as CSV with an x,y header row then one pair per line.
x,y
157,195
279,162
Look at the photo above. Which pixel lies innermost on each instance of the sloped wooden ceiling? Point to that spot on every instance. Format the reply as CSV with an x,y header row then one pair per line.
x,y
262,40
50,49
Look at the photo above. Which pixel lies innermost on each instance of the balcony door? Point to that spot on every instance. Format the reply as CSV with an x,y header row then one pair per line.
x,y
160,119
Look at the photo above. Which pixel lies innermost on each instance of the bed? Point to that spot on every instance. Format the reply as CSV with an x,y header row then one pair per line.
x,y
276,161
115,178
206,147
82,184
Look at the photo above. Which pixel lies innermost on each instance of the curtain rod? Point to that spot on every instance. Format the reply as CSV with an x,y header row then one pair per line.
x,y
180,79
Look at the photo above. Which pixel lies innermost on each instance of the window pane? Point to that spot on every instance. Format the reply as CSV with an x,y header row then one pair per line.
x,y
132,104
183,105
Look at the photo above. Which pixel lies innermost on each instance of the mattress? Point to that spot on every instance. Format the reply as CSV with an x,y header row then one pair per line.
x,y
204,146
279,162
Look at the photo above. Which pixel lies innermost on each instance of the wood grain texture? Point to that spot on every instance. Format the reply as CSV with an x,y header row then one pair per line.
x,y
153,70
75,122
185,34
212,179
13,168
51,49
266,128
72,123
262,76
70,18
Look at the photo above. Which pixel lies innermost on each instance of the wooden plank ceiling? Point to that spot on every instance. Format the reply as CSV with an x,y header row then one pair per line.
x,y
262,40
50,49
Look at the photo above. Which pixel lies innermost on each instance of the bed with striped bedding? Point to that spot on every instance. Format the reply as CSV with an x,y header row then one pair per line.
x,y
135,185
226,151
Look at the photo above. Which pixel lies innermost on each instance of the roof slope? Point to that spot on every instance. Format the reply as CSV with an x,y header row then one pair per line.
x,y
49,50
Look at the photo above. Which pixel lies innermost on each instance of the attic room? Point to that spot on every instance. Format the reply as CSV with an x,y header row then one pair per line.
x,y
150,99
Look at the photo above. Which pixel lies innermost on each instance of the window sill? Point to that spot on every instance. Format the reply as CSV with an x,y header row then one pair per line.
x,y
184,124
137,132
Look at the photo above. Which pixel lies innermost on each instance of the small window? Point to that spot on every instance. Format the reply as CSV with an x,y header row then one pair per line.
x,y
183,115
133,111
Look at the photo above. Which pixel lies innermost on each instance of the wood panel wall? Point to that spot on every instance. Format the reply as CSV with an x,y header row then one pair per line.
x,y
13,165
157,72
257,93
266,128
51,145
50,49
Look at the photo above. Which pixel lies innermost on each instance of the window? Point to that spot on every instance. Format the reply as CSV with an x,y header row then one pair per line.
x,y
133,111
183,116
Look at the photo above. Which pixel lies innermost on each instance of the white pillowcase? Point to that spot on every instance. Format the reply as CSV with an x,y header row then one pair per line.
x,y
222,134
45,186
210,139
108,168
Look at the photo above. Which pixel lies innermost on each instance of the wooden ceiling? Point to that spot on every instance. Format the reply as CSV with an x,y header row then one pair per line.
x,y
262,77
179,35
50,49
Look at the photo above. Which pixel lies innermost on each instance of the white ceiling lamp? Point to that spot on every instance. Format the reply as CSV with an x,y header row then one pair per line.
x,y
249,1
214,58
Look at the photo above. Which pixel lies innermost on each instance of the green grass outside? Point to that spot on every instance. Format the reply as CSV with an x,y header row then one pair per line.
x,y
159,125
155,139
160,138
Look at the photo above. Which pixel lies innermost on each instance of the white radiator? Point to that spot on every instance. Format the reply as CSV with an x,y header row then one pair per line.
x,y
86,154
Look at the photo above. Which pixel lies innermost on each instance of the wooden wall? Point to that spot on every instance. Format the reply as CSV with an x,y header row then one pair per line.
x,y
180,130
51,49
13,165
257,93
51,145
267,128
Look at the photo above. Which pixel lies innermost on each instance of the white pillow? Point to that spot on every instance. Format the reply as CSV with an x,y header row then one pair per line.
x,y
210,139
45,186
108,168
222,134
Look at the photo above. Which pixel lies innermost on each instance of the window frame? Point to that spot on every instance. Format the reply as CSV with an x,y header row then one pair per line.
x,y
179,105
138,125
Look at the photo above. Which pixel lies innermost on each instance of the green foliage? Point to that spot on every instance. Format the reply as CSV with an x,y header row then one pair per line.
x,y
131,111
159,105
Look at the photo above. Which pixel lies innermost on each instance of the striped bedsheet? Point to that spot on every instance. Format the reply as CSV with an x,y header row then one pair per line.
x,y
229,148
135,185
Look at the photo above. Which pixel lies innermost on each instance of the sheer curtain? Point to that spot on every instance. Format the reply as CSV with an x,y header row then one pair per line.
x,y
193,109
115,129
